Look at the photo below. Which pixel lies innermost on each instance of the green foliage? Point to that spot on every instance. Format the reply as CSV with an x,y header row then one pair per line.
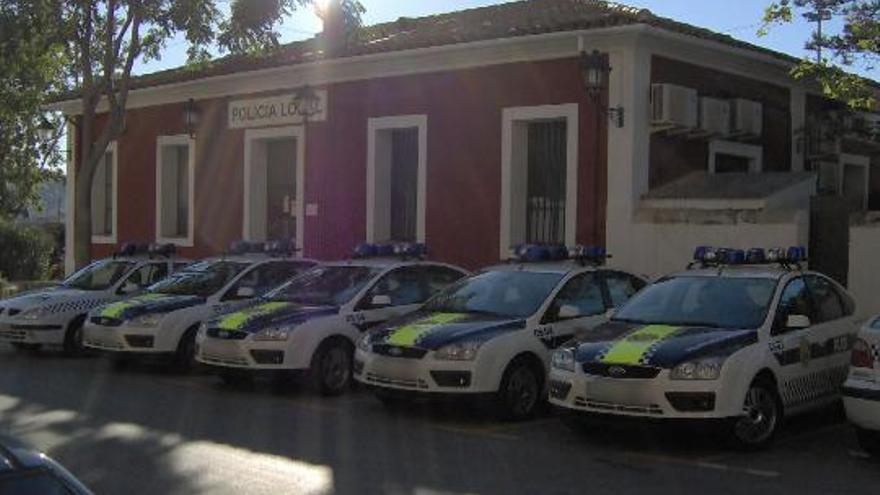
x,y
26,252
857,44
30,66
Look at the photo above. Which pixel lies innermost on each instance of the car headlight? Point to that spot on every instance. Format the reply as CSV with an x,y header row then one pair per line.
x,y
698,369
364,344
35,313
562,359
274,334
459,351
147,320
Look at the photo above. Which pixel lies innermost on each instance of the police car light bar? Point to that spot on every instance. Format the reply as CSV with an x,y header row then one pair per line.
x,y
166,250
246,247
715,256
131,249
533,253
283,247
384,250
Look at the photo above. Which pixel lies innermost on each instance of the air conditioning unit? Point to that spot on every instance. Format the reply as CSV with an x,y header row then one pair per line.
x,y
673,106
715,116
746,118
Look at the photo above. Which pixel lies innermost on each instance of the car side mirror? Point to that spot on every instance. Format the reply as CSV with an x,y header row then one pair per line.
x,y
567,312
797,322
245,292
380,301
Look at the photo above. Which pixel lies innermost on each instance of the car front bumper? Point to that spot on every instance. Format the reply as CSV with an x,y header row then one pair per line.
x,y
861,399
245,354
124,339
657,397
421,375
41,333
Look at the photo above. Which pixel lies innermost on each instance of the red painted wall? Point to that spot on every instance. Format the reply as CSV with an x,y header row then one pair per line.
x,y
464,110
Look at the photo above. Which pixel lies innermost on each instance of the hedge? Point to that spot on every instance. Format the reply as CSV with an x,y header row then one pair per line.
x,y
26,252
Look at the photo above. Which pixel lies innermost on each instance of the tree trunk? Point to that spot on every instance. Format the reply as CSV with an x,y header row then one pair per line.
x,y
82,196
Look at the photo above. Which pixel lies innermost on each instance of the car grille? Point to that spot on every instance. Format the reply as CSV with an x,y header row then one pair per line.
x,y
621,371
222,334
102,344
396,382
15,335
399,352
222,360
610,407
106,321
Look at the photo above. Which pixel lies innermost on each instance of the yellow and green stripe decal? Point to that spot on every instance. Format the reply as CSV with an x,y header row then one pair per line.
x,y
408,335
234,321
116,309
631,348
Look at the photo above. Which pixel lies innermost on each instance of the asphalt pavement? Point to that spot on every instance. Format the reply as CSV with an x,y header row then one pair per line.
x,y
142,429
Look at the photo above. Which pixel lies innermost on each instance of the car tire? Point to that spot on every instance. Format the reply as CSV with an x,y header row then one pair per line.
x,y
331,368
869,441
73,337
19,346
185,354
762,415
520,393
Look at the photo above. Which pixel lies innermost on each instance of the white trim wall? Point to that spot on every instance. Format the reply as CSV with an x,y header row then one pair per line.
x,y
513,156
110,239
755,154
376,150
176,140
251,152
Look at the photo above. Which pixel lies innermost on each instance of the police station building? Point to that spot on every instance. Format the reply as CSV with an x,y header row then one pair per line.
x,y
566,121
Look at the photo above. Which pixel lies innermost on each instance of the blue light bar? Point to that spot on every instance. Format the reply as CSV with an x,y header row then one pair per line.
x,y
796,254
245,247
708,255
162,249
411,249
756,256
281,246
132,249
365,250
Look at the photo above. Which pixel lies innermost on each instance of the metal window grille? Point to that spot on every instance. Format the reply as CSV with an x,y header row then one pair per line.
x,y
545,201
404,183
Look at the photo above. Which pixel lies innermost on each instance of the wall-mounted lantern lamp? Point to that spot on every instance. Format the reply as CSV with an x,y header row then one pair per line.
x,y
191,117
595,71
307,103
45,131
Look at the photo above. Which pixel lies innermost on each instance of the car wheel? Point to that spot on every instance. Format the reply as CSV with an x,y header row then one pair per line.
x,y
185,354
762,415
869,441
331,367
26,347
73,338
520,392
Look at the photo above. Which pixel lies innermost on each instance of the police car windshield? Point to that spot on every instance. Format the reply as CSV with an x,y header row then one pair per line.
x,y
515,294
100,275
200,279
717,302
325,285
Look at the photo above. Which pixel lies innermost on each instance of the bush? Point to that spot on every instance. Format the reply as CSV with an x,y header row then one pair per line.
x,y
26,252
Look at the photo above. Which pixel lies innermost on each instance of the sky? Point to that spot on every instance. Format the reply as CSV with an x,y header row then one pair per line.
x,y
738,18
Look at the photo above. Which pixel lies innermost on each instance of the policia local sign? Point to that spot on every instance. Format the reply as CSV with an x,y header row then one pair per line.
x,y
272,110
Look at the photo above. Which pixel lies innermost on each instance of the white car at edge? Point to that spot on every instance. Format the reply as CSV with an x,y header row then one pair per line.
x,y
164,320
490,335
311,323
739,344
861,391
55,316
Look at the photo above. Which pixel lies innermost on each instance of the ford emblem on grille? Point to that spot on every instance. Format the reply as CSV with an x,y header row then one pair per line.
x,y
617,371
395,351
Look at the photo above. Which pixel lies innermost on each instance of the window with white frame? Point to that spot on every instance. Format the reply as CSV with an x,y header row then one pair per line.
x,y
104,198
396,168
175,157
539,175
730,157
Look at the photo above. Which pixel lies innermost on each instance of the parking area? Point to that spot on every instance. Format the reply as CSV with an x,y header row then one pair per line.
x,y
141,429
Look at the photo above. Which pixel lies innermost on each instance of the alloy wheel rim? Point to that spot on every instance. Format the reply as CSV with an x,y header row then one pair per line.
x,y
759,418
521,391
335,368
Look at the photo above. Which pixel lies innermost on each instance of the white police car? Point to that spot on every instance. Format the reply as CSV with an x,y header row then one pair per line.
x,y
312,322
861,391
491,334
165,319
55,316
737,340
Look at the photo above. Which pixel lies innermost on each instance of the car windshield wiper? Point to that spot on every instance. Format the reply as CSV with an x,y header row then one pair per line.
x,y
631,320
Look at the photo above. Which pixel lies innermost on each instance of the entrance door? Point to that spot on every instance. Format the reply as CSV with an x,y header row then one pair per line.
x,y
281,200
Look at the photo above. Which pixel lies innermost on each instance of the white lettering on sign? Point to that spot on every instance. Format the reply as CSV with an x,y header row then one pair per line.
x,y
274,110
